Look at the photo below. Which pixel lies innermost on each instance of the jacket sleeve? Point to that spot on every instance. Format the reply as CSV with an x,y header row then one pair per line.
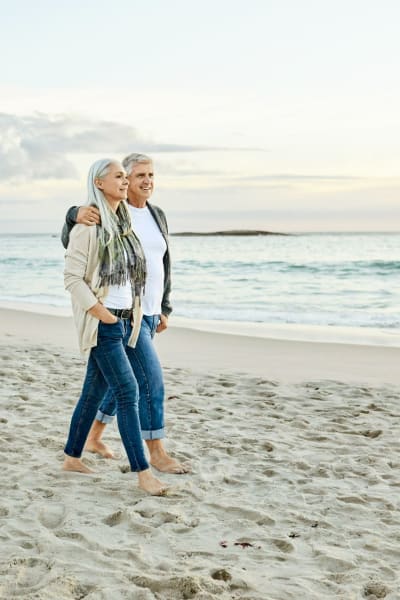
x,y
70,221
76,260
166,307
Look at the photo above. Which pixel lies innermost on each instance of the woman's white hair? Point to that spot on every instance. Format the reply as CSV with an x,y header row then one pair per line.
x,y
109,224
133,159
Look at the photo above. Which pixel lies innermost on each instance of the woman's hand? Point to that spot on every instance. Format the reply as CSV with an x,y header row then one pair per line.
x,y
102,314
108,322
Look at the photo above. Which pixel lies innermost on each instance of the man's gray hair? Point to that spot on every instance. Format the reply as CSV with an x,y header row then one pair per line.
x,y
133,159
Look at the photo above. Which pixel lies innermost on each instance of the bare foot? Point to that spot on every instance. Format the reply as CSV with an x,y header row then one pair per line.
x,y
98,447
75,464
166,464
151,484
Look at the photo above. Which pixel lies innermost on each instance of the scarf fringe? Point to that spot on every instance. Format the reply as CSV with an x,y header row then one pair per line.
x,y
123,260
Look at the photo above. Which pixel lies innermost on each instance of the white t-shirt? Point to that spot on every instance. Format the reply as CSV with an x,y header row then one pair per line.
x,y
119,296
154,247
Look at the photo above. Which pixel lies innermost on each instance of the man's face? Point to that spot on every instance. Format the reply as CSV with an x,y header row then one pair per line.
x,y
141,181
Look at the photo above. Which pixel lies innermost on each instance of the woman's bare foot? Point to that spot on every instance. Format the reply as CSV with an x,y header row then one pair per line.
x,y
99,447
75,464
151,484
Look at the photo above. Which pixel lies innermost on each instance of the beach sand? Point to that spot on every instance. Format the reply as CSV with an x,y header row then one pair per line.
x,y
295,449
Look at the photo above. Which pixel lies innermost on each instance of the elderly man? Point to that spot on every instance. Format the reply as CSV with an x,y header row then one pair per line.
x,y
150,225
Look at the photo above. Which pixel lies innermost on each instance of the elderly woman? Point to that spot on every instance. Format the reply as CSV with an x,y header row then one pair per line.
x,y
105,272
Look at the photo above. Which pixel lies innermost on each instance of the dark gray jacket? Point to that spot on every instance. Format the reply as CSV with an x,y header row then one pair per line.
x,y
159,217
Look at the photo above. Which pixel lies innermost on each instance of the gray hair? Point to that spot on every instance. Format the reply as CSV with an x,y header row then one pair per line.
x,y
109,225
133,159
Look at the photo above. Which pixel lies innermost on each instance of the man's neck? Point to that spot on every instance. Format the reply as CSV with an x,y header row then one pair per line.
x,y
136,203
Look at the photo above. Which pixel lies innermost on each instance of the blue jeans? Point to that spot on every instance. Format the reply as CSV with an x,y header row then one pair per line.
x,y
147,369
110,366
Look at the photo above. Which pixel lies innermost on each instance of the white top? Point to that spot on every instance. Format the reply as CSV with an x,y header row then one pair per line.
x,y
119,296
154,247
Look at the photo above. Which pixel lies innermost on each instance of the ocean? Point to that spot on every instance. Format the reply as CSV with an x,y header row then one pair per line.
x,y
335,280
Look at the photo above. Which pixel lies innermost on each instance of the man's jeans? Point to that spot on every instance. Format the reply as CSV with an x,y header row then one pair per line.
x,y
110,366
148,373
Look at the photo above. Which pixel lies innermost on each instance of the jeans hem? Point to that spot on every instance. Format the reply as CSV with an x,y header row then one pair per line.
x,y
156,434
73,453
103,418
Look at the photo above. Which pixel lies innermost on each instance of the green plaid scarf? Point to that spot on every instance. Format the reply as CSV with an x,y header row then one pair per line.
x,y
122,258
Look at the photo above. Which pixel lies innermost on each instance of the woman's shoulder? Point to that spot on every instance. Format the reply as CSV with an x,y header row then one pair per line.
x,y
83,236
83,232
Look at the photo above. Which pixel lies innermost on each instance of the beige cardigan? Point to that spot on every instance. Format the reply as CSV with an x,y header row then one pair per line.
x,y
80,279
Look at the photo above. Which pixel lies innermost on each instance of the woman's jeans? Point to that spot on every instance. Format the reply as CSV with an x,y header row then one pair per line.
x,y
110,366
148,373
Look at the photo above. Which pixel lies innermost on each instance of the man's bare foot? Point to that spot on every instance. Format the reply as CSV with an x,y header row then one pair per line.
x,y
99,447
75,464
166,464
151,484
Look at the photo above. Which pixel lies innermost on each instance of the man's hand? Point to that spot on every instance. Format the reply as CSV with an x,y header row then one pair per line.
x,y
88,215
163,324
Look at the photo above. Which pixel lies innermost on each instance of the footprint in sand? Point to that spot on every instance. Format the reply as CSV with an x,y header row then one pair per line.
x,y
375,589
52,516
352,499
115,518
269,472
27,545
227,384
267,446
51,442
283,545
27,573
26,377
372,433
178,588
44,493
8,373
72,535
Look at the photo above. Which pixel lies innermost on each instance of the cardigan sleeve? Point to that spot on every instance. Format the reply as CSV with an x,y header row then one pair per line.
x,y
76,261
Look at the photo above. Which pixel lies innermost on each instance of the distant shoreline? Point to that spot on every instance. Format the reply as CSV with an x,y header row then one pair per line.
x,y
228,232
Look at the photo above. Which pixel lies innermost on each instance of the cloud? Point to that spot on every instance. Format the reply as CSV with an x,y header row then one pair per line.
x,y
287,177
39,146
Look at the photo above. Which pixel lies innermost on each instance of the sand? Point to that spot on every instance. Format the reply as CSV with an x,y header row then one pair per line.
x,y
295,449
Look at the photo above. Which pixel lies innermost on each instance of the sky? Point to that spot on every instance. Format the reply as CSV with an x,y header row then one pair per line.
x,y
280,115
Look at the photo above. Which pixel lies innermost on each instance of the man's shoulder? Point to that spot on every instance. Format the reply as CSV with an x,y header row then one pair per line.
x,y
159,214
156,209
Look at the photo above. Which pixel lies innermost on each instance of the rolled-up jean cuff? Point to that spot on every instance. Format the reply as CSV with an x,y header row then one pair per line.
x,y
156,434
103,418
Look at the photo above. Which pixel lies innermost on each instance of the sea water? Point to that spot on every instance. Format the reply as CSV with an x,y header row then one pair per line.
x,y
335,279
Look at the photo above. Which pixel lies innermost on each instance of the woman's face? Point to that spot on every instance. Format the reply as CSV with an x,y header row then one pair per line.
x,y
114,185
